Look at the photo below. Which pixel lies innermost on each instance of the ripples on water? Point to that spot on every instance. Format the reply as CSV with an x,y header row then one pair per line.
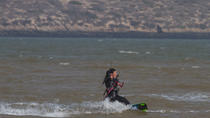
x,y
54,77
188,97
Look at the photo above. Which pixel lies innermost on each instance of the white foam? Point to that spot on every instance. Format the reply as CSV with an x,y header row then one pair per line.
x,y
60,110
105,107
115,106
192,97
128,52
64,63
193,111
33,109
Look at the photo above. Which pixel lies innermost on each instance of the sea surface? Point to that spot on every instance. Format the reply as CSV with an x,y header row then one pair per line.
x,y
62,77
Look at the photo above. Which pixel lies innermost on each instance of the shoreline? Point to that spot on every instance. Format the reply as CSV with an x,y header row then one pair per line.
x,y
80,34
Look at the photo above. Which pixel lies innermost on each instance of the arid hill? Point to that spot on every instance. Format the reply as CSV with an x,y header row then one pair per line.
x,y
105,15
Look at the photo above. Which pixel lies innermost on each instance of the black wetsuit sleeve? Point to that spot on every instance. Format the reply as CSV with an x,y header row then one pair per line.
x,y
108,83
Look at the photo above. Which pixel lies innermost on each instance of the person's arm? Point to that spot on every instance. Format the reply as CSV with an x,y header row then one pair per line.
x,y
120,84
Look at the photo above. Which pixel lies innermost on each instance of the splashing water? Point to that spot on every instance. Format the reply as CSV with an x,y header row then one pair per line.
x,y
61,110
34,109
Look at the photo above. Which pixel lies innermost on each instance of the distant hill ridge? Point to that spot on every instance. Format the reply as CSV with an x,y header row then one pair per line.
x,y
105,15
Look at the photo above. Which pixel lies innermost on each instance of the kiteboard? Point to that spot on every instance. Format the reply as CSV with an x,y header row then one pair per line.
x,y
140,106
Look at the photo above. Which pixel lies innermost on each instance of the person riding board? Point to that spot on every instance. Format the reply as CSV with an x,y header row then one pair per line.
x,y
112,85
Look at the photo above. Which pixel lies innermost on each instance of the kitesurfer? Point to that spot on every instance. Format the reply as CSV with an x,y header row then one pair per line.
x,y
112,85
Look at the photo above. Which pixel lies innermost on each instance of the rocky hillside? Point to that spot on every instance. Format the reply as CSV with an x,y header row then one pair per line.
x,y
105,15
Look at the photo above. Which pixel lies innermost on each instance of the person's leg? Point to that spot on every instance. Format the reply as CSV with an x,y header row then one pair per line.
x,y
112,97
122,100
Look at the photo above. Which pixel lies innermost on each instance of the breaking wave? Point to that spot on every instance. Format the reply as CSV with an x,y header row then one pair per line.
x,y
60,110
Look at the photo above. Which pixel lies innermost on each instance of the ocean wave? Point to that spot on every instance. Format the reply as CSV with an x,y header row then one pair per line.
x,y
61,110
191,97
128,52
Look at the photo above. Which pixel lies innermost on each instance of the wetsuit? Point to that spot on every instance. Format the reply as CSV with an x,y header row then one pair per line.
x,y
112,91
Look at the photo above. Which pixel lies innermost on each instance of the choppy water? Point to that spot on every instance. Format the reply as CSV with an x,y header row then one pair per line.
x,y
61,77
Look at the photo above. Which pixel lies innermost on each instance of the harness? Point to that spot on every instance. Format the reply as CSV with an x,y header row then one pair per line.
x,y
109,90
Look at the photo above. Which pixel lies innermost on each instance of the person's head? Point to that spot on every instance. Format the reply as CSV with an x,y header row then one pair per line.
x,y
113,73
110,74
